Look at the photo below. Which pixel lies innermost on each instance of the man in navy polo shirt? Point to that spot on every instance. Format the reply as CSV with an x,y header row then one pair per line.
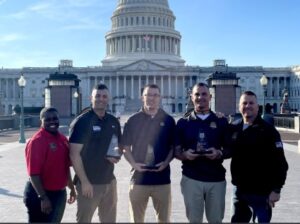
x,y
91,135
200,138
148,143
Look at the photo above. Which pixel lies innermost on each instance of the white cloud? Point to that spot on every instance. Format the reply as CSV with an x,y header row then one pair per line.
x,y
40,7
11,37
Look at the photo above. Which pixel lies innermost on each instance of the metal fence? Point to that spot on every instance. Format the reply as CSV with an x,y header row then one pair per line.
x,y
284,121
13,122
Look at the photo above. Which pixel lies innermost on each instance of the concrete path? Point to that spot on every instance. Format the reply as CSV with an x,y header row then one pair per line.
x,y
13,177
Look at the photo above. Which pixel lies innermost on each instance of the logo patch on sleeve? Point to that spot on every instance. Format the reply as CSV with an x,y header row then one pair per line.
x,y
279,144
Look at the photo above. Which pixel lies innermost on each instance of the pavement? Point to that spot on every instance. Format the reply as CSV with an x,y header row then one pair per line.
x,y
13,177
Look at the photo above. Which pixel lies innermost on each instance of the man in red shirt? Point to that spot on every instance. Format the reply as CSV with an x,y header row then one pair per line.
x,y
47,161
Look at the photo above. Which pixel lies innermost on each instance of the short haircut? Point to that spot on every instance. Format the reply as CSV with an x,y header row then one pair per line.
x,y
200,84
100,86
151,86
249,93
46,110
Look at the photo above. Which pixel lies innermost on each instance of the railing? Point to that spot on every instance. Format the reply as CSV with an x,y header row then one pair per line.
x,y
284,121
13,122
6,122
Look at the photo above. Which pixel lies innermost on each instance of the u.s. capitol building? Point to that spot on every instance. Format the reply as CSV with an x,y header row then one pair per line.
x,y
143,47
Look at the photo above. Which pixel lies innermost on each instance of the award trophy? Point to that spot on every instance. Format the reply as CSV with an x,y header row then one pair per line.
x,y
150,159
113,149
202,145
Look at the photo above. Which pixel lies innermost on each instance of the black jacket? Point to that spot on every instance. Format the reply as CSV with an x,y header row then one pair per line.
x,y
258,163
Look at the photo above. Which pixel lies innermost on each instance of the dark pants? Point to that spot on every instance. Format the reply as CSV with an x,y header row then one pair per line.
x,y
247,206
33,204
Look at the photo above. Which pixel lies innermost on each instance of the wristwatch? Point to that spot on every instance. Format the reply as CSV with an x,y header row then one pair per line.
x,y
42,197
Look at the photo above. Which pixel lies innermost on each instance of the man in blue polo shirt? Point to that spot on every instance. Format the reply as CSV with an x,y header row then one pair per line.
x,y
148,143
200,138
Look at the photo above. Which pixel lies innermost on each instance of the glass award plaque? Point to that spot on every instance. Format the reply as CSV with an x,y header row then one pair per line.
x,y
150,159
113,149
202,145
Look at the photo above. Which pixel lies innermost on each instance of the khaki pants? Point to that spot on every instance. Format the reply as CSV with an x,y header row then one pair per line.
x,y
105,199
200,195
161,198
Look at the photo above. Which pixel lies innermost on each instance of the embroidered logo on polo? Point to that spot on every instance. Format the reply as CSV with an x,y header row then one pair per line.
x,y
213,125
279,144
52,146
113,126
234,136
162,124
96,128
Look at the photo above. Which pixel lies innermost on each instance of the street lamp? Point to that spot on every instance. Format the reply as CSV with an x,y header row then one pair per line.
x,y
76,96
264,82
22,83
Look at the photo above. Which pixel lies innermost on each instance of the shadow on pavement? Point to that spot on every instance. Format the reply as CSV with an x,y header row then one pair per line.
x,y
7,193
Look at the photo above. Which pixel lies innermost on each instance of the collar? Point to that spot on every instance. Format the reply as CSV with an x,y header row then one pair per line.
x,y
95,115
258,120
49,135
160,113
193,115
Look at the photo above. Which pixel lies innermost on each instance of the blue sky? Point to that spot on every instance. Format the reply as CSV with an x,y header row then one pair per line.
x,y
244,32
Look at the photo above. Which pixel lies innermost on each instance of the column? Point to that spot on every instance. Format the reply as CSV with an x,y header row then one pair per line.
x,y
147,79
117,83
162,85
140,43
169,92
127,44
139,85
14,88
124,86
110,84
176,83
152,43
6,89
133,44
278,87
271,86
132,79
154,79
159,44
183,86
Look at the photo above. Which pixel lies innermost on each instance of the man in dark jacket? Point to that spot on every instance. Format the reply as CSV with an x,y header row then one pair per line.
x,y
258,165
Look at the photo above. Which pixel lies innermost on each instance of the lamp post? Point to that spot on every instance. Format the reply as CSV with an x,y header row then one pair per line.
x,y
264,82
76,96
22,83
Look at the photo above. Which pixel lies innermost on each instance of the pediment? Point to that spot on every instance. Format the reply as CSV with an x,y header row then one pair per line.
x,y
143,65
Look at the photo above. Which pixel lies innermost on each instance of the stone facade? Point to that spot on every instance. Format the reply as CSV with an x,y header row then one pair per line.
x,y
144,47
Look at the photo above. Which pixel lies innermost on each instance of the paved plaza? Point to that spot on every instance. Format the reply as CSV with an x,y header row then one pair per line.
x,y
13,177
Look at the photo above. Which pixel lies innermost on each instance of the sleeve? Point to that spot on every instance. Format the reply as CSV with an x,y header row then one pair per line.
x,y
119,132
66,144
127,133
35,154
79,131
280,165
172,126
178,141
225,139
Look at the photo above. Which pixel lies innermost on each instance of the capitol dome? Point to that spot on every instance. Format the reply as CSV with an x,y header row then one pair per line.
x,y
143,29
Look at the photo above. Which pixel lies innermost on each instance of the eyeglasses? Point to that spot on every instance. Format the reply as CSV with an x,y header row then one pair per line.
x,y
152,95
